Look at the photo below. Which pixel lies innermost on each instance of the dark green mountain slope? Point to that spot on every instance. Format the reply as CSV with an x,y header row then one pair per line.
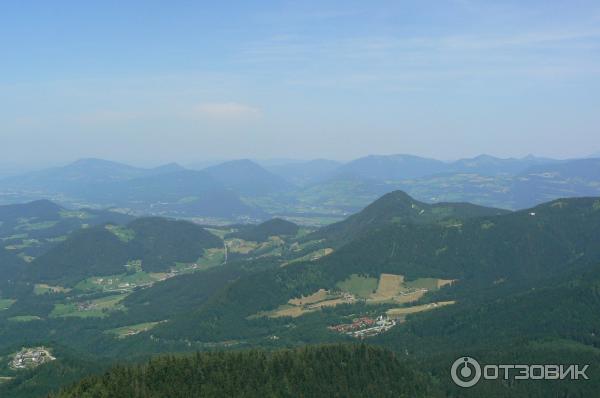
x,y
326,371
106,249
160,243
563,307
31,229
524,244
40,209
10,265
92,251
517,249
399,208
262,232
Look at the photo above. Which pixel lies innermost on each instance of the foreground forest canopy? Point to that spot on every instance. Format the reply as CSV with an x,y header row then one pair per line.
x,y
327,371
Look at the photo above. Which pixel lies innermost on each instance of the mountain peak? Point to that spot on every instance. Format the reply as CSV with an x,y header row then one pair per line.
x,y
246,177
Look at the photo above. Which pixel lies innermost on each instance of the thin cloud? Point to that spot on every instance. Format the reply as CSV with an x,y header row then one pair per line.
x,y
227,111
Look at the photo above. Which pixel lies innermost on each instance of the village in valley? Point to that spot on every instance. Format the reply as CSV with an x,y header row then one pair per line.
x,y
365,326
29,358
398,296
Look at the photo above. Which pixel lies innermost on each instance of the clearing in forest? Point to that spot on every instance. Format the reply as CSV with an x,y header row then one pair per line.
x,y
403,311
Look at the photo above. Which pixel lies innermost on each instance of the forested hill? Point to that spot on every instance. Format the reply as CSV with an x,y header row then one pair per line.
x,y
517,249
106,249
262,232
318,371
398,207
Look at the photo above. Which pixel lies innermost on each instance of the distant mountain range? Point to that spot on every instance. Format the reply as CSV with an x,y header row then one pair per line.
x,y
168,189
310,192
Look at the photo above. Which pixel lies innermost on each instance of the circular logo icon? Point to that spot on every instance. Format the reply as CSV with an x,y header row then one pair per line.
x,y
465,372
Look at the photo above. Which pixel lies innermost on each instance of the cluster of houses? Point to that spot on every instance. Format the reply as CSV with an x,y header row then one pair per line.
x,y
174,272
29,358
365,326
357,324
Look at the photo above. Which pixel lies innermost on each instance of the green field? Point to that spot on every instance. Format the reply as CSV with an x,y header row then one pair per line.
x,y
24,318
423,283
98,308
312,256
41,288
122,233
220,232
35,226
82,215
360,286
211,258
6,303
117,283
131,330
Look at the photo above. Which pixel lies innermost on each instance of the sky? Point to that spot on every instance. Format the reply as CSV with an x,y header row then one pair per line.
x,y
148,82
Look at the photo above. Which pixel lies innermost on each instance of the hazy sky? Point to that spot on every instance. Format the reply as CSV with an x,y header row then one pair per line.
x,y
153,81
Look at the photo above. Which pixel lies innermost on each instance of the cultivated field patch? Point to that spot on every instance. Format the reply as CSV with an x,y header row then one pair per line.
x,y
387,289
312,256
400,313
42,288
360,286
320,295
24,318
98,308
6,303
132,330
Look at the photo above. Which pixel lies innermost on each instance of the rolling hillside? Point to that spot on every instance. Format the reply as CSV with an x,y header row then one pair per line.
x,y
262,232
398,207
517,249
526,279
30,229
107,250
